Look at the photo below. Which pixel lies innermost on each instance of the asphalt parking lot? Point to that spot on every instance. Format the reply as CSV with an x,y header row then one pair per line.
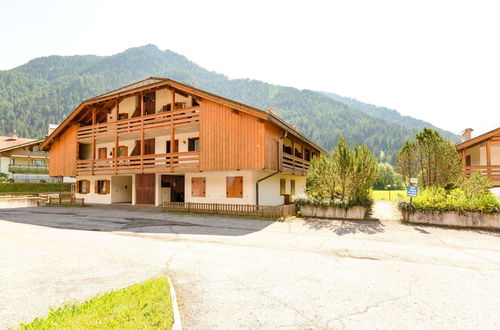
x,y
233,273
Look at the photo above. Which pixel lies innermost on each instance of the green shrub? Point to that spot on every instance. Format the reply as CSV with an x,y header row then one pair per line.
x,y
21,187
342,179
472,195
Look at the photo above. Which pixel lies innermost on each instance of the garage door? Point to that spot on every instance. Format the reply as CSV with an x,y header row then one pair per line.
x,y
145,189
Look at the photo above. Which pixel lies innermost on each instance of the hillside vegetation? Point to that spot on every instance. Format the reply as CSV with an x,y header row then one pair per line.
x,y
47,89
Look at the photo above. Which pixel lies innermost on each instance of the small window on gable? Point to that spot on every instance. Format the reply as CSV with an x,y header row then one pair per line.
x,y
82,186
234,187
194,144
282,187
102,187
197,187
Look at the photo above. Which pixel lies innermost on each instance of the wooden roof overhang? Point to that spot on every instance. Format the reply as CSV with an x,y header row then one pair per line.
x,y
106,102
478,139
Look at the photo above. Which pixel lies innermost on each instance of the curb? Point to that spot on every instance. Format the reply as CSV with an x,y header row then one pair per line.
x,y
175,307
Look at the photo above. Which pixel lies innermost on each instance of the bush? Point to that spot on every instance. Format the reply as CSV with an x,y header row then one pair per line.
x,y
472,195
342,179
21,187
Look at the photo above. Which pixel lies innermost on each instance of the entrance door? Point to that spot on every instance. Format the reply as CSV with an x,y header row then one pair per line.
x,y
145,189
172,187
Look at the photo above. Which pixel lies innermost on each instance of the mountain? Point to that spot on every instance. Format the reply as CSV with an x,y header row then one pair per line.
x,y
390,115
45,90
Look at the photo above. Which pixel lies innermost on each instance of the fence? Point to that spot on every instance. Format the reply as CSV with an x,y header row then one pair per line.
x,y
232,209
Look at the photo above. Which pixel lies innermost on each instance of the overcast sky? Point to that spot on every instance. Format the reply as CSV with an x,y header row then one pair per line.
x,y
434,60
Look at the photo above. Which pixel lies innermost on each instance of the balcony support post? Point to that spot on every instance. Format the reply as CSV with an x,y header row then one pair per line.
x,y
172,133
142,133
488,158
115,153
93,139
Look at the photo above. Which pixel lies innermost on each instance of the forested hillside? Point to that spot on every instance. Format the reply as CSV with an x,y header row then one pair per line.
x,y
46,89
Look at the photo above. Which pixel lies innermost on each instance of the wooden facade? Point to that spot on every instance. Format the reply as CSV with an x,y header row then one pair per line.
x,y
230,135
482,154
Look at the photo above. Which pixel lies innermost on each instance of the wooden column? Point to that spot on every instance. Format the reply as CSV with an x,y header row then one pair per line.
x,y
142,133
488,157
172,133
115,154
93,138
293,156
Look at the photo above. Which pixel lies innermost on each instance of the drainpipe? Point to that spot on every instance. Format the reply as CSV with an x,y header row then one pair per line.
x,y
270,175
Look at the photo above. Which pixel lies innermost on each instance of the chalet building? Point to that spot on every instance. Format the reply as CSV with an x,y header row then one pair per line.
x,y
22,161
159,140
481,153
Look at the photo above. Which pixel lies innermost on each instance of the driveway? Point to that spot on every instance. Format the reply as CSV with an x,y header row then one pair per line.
x,y
241,273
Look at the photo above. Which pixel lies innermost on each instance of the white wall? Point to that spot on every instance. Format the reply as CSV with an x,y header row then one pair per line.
x,y
127,105
110,145
269,189
495,154
121,189
161,141
92,197
4,165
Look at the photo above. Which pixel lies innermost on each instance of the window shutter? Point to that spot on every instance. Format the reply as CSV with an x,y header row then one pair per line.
x,y
198,187
78,188
292,187
234,187
96,187
87,187
107,186
282,187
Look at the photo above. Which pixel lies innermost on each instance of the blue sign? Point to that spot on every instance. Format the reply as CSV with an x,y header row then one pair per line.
x,y
412,191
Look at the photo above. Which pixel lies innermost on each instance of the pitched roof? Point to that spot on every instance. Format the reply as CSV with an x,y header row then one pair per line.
x,y
11,141
478,139
22,144
153,82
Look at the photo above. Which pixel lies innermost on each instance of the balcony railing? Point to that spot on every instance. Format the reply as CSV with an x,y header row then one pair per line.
x,y
294,164
157,121
176,162
26,168
492,171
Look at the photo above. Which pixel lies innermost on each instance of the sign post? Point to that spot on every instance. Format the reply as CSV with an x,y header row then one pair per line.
x,y
412,189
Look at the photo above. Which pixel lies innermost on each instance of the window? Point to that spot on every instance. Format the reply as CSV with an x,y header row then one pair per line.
x,y
102,187
38,162
313,155
82,186
307,154
122,151
176,146
101,152
287,146
193,144
298,150
468,160
292,187
197,187
282,187
234,187
122,116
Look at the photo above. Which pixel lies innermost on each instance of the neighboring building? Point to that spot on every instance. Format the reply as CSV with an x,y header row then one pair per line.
x,y
160,140
481,153
22,161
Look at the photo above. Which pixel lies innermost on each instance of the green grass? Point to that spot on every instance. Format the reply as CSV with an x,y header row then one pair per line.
x,y
383,195
146,305
21,187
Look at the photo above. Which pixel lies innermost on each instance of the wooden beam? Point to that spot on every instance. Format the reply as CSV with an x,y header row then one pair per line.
x,y
115,153
488,156
172,133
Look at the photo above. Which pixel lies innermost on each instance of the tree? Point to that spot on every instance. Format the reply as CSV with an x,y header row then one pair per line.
x,y
431,158
387,177
344,175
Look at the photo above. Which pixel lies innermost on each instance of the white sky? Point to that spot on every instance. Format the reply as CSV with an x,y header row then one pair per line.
x,y
434,60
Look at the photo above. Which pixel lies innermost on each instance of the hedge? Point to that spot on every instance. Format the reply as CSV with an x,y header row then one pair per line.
x,y
22,187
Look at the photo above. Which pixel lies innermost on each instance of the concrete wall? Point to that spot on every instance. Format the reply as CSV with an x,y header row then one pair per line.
x,y
15,203
269,189
456,219
121,189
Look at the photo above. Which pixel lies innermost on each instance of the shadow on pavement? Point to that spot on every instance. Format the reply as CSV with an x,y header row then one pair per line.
x,y
140,220
343,227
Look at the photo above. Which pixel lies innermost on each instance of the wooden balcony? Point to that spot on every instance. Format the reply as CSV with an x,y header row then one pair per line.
x,y
157,163
157,121
293,164
492,171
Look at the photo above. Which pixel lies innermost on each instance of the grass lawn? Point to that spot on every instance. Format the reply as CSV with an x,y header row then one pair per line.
x,y
383,195
145,305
